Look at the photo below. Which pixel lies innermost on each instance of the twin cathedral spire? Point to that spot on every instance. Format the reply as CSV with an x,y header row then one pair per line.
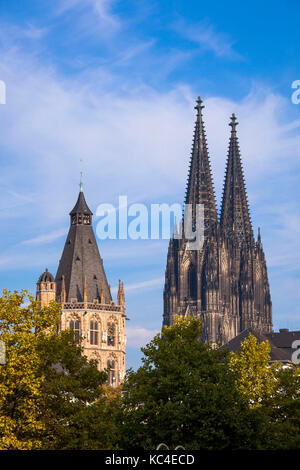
x,y
225,283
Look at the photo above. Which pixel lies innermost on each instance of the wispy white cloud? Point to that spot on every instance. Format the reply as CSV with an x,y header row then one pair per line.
x,y
33,32
130,249
150,284
282,237
101,10
134,141
12,200
133,51
127,140
28,259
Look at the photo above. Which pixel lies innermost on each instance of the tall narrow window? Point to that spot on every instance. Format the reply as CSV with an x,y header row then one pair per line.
x,y
94,332
75,326
111,366
111,334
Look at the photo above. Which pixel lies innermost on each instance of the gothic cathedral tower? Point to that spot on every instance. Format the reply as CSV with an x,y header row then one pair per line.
x,y
225,283
82,289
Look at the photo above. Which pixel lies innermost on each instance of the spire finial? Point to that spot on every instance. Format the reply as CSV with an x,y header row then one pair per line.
x,y
102,295
233,122
119,293
199,106
80,184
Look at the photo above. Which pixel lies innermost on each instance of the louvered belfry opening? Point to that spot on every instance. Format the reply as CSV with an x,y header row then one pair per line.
x,y
81,261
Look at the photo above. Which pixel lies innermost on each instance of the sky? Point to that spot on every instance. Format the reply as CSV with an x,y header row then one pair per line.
x,y
114,84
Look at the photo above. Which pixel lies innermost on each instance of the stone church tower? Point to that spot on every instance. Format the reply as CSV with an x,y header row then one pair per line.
x,y
225,283
81,287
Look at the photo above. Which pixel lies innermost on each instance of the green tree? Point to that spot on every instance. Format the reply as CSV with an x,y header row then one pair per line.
x,y
78,409
21,329
185,394
274,389
283,410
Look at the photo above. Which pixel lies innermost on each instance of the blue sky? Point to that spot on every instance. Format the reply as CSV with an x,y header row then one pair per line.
x,y
114,83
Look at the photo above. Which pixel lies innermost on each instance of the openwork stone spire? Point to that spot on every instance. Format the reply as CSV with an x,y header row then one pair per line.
x,y
235,217
80,273
199,185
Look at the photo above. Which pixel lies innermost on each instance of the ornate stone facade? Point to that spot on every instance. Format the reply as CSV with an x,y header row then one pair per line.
x,y
87,306
226,282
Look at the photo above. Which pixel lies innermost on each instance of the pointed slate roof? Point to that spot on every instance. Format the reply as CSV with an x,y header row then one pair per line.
x,y
284,339
235,217
200,184
81,263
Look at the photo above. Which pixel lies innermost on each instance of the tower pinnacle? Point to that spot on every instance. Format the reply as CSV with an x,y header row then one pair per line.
x,y
233,123
199,106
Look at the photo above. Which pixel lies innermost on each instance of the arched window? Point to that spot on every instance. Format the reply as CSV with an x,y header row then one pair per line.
x,y
111,334
111,372
75,326
192,282
94,332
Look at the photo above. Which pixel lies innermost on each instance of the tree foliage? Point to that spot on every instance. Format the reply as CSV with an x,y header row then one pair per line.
x,y
22,329
185,394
